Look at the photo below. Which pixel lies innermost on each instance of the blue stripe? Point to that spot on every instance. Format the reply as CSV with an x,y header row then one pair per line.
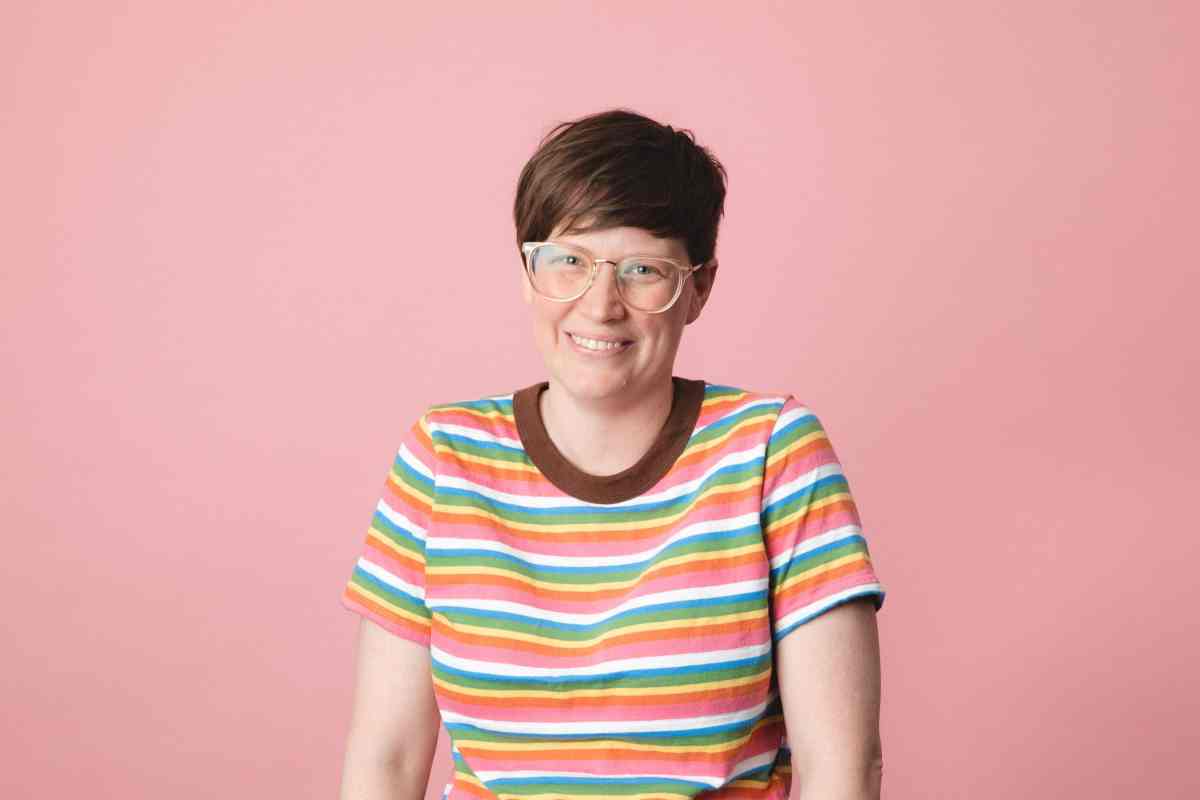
x,y
806,418
557,681
730,420
864,592
480,500
810,488
567,737
599,571
808,555
409,475
381,522
447,609
685,787
380,587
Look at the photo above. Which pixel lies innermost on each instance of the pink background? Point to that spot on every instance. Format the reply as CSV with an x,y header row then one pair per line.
x,y
965,235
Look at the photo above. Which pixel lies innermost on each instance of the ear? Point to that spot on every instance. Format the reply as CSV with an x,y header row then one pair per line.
x,y
702,284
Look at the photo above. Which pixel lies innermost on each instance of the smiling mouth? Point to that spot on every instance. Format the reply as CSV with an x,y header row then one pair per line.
x,y
599,345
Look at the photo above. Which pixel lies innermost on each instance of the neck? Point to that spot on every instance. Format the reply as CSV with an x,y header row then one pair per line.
x,y
609,436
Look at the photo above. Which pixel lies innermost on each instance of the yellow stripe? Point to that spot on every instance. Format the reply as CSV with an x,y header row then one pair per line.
x,y
528,468
389,544
558,795
512,636
723,438
408,489
735,397
584,527
608,744
358,592
808,574
498,463
803,441
474,412
787,519
594,586
648,691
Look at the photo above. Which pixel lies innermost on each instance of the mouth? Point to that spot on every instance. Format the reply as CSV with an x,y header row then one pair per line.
x,y
600,345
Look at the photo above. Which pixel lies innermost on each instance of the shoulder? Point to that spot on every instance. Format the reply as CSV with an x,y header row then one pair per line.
x,y
742,405
776,419
472,412
472,425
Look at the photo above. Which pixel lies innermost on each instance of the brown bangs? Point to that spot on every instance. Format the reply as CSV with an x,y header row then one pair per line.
x,y
619,168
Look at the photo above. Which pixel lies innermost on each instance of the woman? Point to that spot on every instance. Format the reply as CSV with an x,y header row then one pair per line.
x,y
616,582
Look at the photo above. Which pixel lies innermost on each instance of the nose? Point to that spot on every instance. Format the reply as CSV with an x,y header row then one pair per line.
x,y
602,300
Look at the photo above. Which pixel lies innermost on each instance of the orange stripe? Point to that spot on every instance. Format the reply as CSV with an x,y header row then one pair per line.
x,y
810,522
753,691
760,738
799,460
631,637
808,585
751,431
411,561
383,611
469,579
446,517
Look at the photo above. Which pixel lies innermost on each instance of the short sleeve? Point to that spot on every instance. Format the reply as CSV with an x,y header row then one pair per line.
x,y
819,558
387,585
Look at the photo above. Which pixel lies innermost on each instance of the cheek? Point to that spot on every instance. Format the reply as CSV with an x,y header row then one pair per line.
x,y
547,321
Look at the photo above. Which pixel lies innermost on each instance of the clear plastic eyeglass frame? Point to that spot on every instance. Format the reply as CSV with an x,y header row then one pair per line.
x,y
527,249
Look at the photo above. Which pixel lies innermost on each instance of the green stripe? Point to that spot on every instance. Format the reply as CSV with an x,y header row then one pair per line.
x,y
665,680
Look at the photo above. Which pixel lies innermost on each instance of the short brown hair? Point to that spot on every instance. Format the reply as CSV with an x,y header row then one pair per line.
x,y
619,168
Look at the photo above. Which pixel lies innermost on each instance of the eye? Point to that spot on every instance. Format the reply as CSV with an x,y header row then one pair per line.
x,y
645,270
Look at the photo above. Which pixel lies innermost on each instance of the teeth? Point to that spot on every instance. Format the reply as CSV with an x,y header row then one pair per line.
x,y
595,344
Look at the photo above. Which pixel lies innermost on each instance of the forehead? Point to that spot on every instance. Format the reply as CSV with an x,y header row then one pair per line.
x,y
612,242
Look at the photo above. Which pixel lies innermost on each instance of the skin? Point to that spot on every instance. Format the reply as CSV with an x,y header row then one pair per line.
x,y
829,682
394,721
604,414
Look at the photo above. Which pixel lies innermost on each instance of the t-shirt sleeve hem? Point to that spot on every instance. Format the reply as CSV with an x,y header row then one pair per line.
x,y
399,626
794,619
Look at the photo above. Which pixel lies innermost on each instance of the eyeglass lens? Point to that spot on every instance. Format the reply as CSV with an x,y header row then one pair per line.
x,y
559,272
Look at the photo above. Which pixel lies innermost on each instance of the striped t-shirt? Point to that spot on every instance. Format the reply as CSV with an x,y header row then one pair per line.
x,y
611,636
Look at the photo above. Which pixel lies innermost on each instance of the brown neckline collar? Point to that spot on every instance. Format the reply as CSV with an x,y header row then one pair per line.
x,y
623,485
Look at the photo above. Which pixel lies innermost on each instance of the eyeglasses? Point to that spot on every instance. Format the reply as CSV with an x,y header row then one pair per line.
x,y
563,273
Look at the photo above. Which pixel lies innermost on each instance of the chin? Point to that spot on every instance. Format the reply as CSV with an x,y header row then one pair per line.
x,y
595,386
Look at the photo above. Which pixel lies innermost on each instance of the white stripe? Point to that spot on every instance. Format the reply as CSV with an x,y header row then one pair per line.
x,y
400,520
411,459
607,726
734,458
754,401
809,545
675,595
792,414
479,435
812,609
710,780
390,579
801,483
677,537
500,668
747,764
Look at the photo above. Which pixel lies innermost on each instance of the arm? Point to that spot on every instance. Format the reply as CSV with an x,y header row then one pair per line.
x,y
395,720
829,682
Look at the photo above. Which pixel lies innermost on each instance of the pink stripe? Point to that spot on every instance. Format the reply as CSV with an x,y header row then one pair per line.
x,y
680,641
